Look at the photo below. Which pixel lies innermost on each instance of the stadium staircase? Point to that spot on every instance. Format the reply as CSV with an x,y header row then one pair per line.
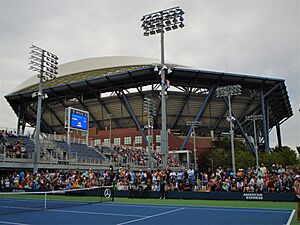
x,y
105,152
55,152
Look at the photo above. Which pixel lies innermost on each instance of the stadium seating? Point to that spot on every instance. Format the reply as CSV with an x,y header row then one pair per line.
x,y
81,150
26,142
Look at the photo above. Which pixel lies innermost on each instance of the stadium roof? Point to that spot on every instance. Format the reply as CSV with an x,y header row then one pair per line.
x,y
118,85
92,64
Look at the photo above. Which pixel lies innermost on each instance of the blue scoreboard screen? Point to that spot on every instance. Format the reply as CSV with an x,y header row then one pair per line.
x,y
79,120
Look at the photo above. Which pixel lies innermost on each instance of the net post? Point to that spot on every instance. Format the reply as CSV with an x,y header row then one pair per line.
x,y
45,201
113,193
101,196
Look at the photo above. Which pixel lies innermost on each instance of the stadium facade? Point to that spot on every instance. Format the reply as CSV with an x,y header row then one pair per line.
x,y
116,87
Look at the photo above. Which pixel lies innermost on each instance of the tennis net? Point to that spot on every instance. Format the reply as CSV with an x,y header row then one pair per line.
x,y
16,202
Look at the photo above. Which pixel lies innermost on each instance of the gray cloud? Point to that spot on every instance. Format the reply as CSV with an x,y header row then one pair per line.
x,y
252,37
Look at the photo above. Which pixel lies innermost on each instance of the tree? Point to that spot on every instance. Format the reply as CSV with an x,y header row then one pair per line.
x,y
221,154
244,159
220,157
284,156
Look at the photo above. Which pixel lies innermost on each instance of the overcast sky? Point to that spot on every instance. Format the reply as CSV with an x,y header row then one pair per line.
x,y
252,37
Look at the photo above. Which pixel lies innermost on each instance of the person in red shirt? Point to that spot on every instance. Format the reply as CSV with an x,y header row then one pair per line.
x,y
18,149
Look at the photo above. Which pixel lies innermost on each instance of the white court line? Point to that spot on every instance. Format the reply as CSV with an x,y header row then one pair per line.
x,y
148,217
12,223
19,207
244,210
291,217
206,208
141,205
94,213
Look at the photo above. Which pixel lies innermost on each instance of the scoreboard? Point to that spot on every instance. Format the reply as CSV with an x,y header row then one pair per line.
x,y
78,119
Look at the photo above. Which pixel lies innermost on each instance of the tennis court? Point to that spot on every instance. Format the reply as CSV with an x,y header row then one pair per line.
x,y
120,213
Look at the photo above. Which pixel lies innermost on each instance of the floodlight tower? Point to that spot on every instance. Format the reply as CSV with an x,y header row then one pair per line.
x,y
229,91
110,117
45,63
150,109
158,23
194,124
254,118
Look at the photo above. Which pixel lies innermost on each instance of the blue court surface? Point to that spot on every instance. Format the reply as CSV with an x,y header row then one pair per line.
x,y
119,214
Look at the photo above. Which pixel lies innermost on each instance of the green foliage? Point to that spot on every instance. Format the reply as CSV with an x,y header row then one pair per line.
x,y
284,156
244,159
221,155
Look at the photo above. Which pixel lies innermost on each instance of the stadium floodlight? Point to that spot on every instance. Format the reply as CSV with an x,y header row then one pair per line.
x,y
174,27
254,118
45,63
158,23
229,91
168,28
194,124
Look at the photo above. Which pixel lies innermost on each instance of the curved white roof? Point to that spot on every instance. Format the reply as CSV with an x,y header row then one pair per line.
x,y
90,64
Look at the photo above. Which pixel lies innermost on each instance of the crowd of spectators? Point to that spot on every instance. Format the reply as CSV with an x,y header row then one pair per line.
x,y
275,179
56,180
7,133
124,155
171,161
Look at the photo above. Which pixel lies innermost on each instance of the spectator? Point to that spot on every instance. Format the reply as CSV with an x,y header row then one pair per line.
x,y
240,185
297,192
191,174
18,148
274,169
263,170
281,170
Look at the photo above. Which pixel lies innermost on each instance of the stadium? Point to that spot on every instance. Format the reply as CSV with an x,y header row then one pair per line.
x,y
133,140
117,86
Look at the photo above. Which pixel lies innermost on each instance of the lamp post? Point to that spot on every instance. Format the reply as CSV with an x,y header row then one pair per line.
x,y
229,91
45,63
149,107
158,23
194,124
254,118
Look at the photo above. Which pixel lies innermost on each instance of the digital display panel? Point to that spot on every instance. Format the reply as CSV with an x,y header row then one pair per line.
x,y
79,120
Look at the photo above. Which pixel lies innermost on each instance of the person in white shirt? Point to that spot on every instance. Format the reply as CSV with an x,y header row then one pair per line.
x,y
191,174
7,183
259,183
263,170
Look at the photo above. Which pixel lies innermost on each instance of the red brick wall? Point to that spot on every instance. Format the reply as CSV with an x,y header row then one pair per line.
x,y
203,144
